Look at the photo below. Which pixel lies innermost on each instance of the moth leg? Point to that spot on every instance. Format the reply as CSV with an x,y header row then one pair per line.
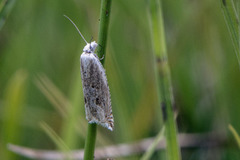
x,y
101,58
98,57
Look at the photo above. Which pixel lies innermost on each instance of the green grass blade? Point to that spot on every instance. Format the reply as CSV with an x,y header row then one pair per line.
x,y
164,78
231,16
63,106
153,146
235,134
13,108
53,94
54,137
5,9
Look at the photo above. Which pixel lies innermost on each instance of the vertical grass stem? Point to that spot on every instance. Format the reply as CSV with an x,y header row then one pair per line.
x,y
164,78
102,42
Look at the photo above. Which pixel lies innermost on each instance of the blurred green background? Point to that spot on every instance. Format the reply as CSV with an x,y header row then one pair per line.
x,y
40,76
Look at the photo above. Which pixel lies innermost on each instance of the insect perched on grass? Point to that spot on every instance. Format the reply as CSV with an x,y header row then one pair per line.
x,y
96,93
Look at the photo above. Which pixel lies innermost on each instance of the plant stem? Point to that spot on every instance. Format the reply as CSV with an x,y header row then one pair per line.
x,y
164,79
90,141
102,42
103,28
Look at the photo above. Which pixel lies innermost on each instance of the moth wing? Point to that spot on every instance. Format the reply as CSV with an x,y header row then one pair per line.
x,y
96,91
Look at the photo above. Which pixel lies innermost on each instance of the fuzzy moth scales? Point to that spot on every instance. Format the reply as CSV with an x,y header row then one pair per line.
x,y
96,93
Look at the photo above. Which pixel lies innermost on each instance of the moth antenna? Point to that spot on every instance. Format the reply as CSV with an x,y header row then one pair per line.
x,y
76,28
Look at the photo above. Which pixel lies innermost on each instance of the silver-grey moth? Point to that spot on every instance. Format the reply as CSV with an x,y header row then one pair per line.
x,y
96,93
95,88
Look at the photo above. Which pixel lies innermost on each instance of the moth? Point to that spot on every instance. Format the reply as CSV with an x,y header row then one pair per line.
x,y
96,93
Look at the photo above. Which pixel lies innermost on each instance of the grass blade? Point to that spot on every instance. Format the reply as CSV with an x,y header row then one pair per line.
x,y
235,134
153,146
231,16
13,108
164,78
56,139
63,106
5,9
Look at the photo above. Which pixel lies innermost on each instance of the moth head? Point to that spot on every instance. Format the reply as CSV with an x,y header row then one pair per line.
x,y
90,47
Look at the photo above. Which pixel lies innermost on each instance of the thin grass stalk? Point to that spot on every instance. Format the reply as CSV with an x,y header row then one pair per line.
x,y
147,155
13,108
90,141
103,28
230,10
5,9
235,134
102,42
164,79
54,137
